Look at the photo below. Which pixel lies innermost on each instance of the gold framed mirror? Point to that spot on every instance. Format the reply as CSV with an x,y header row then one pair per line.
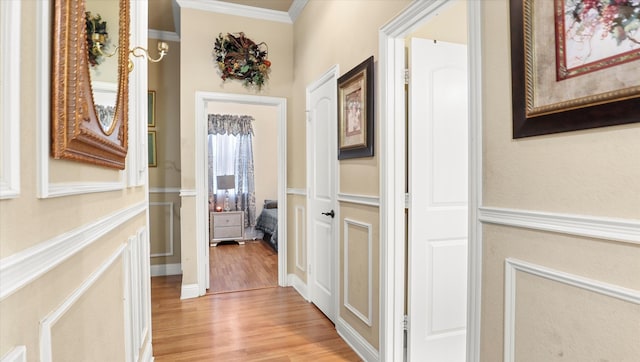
x,y
86,125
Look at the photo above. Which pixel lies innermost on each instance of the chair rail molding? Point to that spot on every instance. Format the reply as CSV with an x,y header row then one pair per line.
x,y
366,200
625,230
22,268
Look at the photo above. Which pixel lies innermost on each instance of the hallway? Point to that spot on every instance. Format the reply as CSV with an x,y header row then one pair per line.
x,y
272,324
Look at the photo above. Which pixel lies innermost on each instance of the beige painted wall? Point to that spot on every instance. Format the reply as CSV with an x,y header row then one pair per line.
x,y
593,173
28,224
199,73
345,33
164,179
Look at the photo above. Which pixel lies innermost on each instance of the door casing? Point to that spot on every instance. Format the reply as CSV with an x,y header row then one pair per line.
x,y
392,175
202,227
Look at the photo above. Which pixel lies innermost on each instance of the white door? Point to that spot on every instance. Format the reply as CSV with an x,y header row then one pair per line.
x,y
438,183
321,156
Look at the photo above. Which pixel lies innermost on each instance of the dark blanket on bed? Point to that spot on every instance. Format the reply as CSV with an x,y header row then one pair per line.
x,y
268,223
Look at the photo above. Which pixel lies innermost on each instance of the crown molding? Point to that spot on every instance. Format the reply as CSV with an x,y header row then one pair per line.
x,y
221,7
164,35
296,9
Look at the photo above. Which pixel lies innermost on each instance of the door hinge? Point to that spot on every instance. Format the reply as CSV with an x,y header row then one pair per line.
x,y
407,76
308,116
405,322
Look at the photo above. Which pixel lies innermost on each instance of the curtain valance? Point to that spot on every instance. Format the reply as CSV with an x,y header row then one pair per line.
x,y
230,124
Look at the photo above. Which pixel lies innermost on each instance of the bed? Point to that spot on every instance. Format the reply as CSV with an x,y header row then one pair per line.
x,y
267,222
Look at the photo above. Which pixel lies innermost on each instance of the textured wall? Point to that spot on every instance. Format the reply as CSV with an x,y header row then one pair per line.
x,y
590,173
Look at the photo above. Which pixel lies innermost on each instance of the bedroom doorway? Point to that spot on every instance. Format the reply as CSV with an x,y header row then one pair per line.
x,y
208,103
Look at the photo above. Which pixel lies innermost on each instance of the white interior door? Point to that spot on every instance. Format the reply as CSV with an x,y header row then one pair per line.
x,y
321,155
438,187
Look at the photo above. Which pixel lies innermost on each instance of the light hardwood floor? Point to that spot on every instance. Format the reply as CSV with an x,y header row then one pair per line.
x,y
234,267
268,324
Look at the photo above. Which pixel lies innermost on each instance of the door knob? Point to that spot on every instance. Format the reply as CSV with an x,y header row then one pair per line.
x,y
330,213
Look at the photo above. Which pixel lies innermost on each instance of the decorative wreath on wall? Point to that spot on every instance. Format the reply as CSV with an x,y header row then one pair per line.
x,y
96,32
238,57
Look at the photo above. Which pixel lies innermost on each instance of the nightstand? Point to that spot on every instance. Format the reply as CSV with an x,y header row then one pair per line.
x,y
226,226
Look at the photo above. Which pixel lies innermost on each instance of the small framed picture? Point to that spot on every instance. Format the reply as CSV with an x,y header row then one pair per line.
x,y
355,112
151,146
151,108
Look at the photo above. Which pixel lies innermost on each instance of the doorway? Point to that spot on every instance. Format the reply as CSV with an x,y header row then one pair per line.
x,y
393,171
205,100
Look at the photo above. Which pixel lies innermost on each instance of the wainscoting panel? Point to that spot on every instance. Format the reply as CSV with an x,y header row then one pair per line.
x,y
358,264
49,322
300,239
161,221
573,316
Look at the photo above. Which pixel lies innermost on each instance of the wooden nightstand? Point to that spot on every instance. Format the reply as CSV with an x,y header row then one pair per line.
x,y
226,226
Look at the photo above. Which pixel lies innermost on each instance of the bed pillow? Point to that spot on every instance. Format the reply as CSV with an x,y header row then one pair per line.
x,y
270,204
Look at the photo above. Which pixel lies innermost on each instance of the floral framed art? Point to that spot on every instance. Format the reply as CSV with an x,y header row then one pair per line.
x,y
574,65
356,112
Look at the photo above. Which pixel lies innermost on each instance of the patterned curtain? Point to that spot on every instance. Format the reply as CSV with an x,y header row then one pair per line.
x,y
233,154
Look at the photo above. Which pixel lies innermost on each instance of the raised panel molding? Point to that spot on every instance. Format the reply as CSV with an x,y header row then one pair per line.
x,y
47,322
359,199
10,102
514,265
366,315
626,230
300,242
168,248
17,354
20,269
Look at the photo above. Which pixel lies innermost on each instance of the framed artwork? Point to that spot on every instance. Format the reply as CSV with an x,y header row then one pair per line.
x,y
574,65
151,147
151,109
355,112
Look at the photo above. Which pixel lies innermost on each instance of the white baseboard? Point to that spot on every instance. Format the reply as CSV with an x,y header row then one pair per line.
x,y
355,341
297,284
166,269
189,291
147,352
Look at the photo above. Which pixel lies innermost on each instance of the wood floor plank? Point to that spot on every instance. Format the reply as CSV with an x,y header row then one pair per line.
x,y
271,324
236,267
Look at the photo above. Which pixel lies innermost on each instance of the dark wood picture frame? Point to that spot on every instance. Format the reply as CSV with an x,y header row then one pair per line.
x,y
356,112
598,113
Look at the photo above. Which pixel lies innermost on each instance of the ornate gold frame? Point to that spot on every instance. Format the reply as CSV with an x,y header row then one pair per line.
x,y
76,133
